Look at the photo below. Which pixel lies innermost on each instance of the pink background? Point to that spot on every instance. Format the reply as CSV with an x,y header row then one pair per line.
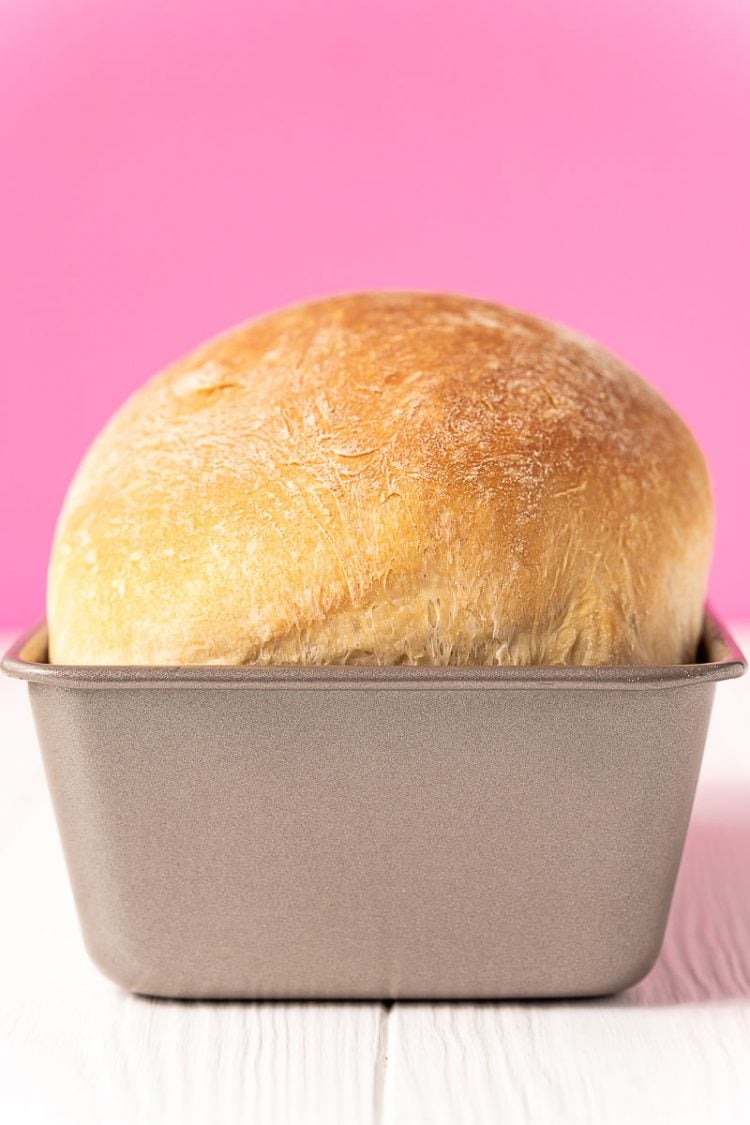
x,y
172,168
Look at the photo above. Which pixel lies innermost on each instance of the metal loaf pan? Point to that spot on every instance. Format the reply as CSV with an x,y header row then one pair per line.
x,y
373,832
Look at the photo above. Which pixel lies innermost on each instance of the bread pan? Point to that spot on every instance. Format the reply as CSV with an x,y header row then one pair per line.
x,y
373,832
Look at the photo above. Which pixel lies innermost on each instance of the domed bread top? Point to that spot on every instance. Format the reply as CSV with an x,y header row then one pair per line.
x,y
386,478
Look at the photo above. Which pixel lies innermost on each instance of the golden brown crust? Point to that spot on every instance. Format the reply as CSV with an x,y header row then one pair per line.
x,y
385,478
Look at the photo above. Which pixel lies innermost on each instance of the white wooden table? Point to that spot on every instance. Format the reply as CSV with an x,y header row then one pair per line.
x,y
73,1048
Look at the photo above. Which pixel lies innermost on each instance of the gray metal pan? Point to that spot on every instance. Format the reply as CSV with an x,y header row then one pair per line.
x,y
373,832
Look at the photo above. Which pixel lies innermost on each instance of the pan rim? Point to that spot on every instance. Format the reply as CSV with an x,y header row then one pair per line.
x,y
723,660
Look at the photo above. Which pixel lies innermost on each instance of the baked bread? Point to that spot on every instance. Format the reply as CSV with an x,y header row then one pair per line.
x,y
386,478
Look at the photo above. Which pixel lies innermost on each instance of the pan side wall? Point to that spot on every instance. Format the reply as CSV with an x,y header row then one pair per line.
x,y
372,843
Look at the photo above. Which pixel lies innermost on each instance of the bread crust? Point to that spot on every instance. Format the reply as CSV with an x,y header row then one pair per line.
x,y
386,478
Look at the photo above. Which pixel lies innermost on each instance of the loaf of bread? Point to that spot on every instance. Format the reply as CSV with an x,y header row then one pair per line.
x,y
386,478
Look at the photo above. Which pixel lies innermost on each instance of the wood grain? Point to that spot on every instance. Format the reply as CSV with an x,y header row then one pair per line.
x,y
73,1048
